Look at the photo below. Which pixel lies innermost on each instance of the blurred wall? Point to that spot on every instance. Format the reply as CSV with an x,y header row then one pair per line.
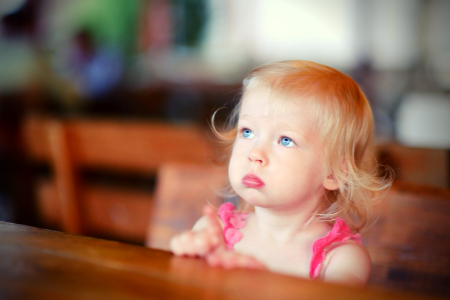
x,y
72,53
179,60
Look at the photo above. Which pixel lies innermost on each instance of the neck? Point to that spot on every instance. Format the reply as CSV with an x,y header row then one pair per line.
x,y
281,225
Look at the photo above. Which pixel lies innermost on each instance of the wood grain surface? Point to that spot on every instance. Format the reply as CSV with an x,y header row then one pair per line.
x,y
43,264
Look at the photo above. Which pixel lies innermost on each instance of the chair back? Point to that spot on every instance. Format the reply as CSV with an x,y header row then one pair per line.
x,y
410,243
181,192
70,145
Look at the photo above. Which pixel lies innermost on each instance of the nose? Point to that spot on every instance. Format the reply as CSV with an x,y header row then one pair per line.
x,y
258,156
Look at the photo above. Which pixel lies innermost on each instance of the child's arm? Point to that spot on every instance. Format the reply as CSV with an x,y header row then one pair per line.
x,y
349,263
205,237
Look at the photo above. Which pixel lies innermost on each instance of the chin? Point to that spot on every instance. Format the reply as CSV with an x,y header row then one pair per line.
x,y
253,199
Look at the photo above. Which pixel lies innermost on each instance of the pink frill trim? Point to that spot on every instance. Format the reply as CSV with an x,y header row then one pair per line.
x,y
233,221
340,233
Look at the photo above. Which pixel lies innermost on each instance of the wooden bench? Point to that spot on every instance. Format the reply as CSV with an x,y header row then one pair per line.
x,y
70,145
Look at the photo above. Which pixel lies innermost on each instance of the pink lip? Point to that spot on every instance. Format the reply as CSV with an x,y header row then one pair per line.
x,y
252,181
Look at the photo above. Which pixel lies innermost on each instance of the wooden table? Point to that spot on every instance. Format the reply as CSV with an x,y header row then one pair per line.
x,y
43,264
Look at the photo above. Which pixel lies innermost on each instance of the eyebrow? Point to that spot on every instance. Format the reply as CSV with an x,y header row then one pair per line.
x,y
287,127
282,126
247,117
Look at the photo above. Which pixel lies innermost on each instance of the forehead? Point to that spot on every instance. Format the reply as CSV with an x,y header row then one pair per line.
x,y
263,102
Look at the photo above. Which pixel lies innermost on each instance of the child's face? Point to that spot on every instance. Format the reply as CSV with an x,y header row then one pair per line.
x,y
277,159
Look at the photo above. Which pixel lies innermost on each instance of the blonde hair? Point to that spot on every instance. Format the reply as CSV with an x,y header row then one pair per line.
x,y
345,126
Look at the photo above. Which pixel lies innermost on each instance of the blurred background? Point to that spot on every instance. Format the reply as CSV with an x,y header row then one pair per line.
x,y
177,61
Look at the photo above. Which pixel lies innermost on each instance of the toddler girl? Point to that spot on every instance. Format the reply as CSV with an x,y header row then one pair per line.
x,y
299,140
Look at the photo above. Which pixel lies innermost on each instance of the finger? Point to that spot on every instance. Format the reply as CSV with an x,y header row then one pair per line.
x,y
187,243
202,243
211,216
179,245
174,245
223,259
214,228
208,210
230,260
213,259
249,262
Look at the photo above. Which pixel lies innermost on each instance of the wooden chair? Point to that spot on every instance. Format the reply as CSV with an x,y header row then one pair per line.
x,y
424,166
70,145
410,243
181,192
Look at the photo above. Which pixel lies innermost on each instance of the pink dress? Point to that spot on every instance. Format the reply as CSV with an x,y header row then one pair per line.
x,y
233,221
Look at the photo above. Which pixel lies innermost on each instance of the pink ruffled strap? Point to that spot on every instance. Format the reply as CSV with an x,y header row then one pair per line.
x,y
233,221
340,233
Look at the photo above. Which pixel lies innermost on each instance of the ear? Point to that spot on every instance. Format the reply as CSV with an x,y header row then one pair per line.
x,y
330,182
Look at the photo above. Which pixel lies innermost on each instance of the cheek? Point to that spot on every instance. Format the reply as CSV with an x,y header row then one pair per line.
x,y
233,166
301,170
237,153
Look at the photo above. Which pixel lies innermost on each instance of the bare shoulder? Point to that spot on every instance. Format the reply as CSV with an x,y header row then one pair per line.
x,y
348,263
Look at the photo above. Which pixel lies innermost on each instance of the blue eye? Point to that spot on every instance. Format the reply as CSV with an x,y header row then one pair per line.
x,y
248,134
285,141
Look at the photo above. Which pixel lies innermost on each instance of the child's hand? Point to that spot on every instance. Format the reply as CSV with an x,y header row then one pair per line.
x,y
232,259
205,238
